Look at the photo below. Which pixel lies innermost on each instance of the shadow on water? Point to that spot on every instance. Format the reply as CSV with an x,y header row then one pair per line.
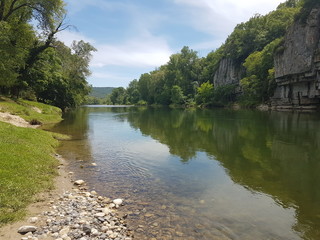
x,y
267,154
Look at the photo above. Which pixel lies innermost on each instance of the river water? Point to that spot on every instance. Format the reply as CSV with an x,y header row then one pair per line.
x,y
201,174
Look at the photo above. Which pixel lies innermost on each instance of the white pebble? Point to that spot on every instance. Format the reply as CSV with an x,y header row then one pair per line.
x,y
118,201
79,182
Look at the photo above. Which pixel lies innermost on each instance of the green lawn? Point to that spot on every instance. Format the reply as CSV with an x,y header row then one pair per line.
x,y
27,165
28,110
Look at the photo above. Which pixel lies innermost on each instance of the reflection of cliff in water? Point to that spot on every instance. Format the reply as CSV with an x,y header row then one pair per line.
x,y
274,153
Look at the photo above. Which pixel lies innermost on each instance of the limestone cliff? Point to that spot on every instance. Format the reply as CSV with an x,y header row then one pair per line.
x,y
297,67
227,73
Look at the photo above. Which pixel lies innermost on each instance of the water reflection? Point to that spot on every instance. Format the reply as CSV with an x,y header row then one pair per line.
x,y
274,153
275,156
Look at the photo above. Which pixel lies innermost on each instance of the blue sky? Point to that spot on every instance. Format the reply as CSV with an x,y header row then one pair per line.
x,y
136,36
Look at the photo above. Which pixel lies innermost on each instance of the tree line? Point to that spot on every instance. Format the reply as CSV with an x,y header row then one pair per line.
x,y
34,64
188,79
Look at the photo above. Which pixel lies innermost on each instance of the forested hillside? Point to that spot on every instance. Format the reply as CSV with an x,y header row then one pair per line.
x,y
100,92
34,64
241,70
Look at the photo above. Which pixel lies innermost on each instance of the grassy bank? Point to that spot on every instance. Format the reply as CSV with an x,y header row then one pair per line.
x,y
29,110
27,165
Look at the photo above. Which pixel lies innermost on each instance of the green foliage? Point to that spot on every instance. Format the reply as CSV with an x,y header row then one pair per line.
x,y
34,62
177,96
183,69
259,83
204,93
142,103
119,96
133,92
58,77
144,86
15,39
223,95
259,31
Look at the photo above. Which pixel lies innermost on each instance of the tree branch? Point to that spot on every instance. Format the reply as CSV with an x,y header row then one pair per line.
x,y
12,9
2,3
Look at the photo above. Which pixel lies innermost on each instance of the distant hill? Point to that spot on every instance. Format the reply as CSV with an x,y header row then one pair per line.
x,y
100,92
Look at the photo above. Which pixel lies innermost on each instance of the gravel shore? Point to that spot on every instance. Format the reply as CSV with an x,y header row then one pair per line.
x,y
79,215
70,212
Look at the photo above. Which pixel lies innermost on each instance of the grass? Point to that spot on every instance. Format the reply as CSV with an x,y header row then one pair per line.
x,y
27,165
26,168
29,110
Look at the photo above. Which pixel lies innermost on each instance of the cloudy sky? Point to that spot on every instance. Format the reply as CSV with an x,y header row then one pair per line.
x,y
136,36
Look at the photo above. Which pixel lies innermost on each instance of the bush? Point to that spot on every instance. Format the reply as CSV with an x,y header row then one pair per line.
x,y
142,103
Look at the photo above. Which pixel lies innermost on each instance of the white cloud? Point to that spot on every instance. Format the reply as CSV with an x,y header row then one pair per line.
x,y
219,17
69,36
141,51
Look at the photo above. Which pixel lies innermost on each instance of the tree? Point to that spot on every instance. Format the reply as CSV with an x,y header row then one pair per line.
x,y
204,93
177,96
259,82
59,75
133,92
15,40
144,86
21,45
45,12
119,96
182,70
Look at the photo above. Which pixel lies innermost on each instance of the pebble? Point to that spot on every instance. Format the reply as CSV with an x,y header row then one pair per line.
x,y
79,215
26,229
180,234
117,201
79,182
33,220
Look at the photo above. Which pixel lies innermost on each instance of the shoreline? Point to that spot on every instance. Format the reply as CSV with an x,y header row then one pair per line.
x,y
62,183
66,191
89,216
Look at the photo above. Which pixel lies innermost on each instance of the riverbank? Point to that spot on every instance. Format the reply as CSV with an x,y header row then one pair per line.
x,y
69,211
37,191
43,202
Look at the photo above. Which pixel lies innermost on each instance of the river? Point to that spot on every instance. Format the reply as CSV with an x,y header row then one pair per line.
x,y
201,174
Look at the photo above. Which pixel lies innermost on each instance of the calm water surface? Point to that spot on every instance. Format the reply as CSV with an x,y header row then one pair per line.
x,y
202,174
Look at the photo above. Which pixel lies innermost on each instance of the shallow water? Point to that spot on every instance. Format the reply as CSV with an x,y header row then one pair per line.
x,y
202,174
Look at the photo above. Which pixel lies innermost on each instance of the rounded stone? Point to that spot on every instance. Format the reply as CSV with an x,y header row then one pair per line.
x,y
118,201
79,182
26,229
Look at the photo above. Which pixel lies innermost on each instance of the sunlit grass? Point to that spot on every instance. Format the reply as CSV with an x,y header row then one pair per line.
x,y
26,168
28,110
27,165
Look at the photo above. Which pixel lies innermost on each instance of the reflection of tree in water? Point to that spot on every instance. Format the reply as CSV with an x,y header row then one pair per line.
x,y
75,124
274,153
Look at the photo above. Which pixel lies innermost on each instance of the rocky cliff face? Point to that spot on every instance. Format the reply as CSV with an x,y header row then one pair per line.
x,y
297,67
227,73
